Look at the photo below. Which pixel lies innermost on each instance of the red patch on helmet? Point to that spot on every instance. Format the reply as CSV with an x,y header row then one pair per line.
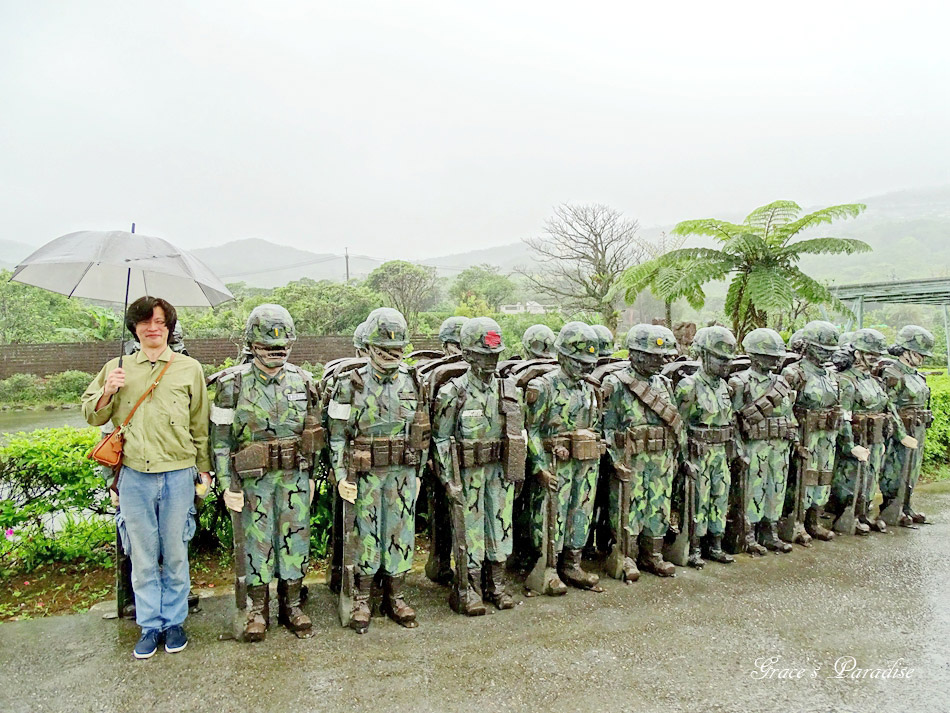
x,y
492,339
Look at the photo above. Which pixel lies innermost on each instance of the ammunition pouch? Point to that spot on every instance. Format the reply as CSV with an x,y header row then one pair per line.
x,y
869,428
420,431
652,400
913,417
255,459
767,429
514,446
480,452
514,454
645,439
313,438
826,419
380,452
583,444
702,438
817,477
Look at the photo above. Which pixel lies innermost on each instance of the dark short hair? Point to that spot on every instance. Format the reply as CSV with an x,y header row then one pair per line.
x,y
142,309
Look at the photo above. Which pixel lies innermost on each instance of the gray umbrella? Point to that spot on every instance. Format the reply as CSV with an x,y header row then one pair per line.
x,y
116,265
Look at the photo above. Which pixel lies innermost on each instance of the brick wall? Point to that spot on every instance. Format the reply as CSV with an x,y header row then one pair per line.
x,y
45,359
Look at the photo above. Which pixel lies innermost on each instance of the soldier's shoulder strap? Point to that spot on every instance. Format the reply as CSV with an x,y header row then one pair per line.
x,y
310,384
652,399
532,370
881,367
228,373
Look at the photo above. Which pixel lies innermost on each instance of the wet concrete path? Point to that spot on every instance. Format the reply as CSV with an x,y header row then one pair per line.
x,y
698,642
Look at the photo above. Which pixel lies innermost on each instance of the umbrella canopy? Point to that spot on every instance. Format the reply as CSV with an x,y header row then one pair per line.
x,y
97,265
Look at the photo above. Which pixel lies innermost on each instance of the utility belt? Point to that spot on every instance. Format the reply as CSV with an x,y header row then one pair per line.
x,y
381,451
259,457
769,428
823,419
912,416
480,452
817,477
645,439
869,428
703,438
583,444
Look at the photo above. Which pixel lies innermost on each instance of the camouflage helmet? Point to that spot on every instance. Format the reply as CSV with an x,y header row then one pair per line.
x,y
482,335
359,336
846,339
386,327
605,340
870,340
270,325
821,334
797,340
538,339
577,340
176,340
451,329
766,342
651,338
716,340
916,339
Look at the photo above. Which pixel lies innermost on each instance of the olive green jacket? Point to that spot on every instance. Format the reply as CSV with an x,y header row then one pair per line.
x,y
169,431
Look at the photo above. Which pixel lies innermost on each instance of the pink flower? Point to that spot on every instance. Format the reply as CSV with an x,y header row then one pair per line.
x,y
9,533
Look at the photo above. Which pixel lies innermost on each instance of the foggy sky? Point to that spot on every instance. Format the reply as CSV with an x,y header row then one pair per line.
x,y
417,129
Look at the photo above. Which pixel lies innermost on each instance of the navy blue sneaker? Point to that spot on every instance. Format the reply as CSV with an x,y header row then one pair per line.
x,y
148,644
175,639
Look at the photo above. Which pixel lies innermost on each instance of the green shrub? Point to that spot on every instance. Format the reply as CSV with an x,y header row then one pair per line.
x,y
23,389
74,540
937,445
67,386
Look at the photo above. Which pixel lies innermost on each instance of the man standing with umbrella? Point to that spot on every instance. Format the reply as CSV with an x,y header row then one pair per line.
x,y
165,448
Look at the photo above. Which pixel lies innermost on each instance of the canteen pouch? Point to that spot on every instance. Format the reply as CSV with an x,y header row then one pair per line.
x,y
585,445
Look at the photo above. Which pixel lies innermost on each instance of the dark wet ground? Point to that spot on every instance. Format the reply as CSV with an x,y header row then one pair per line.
x,y
693,643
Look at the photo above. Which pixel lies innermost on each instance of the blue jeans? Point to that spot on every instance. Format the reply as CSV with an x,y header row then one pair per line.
x,y
156,519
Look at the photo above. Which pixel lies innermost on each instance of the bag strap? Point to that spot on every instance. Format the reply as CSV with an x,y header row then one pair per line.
x,y
148,391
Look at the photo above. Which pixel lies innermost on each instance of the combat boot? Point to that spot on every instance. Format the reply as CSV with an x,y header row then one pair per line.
x,y
750,545
572,573
360,613
494,588
716,553
814,527
256,626
394,606
651,559
768,536
917,517
289,613
695,558
466,597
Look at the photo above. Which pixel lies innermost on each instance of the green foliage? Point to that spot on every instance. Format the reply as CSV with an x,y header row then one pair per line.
x,y
482,284
937,445
513,327
409,288
761,258
326,307
22,389
77,540
67,386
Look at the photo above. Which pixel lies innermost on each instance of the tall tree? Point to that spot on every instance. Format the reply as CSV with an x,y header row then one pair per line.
x,y
664,244
482,282
410,288
585,250
760,254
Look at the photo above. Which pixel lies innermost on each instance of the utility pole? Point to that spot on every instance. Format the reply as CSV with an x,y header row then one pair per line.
x,y
346,254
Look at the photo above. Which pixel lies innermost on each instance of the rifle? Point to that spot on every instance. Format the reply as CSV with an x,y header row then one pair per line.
x,y
893,513
350,539
621,546
846,522
791,524
545,569
677,551
240,565
736,520
459,549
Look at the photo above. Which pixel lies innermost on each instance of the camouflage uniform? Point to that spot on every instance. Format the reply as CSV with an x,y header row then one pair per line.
x,y
909,394
374,414
562,413
449,332
705,406
643,448
258,425
818,413
867,419
763,401
468,416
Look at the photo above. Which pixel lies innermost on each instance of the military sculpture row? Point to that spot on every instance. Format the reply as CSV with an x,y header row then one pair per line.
x,y
647,464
